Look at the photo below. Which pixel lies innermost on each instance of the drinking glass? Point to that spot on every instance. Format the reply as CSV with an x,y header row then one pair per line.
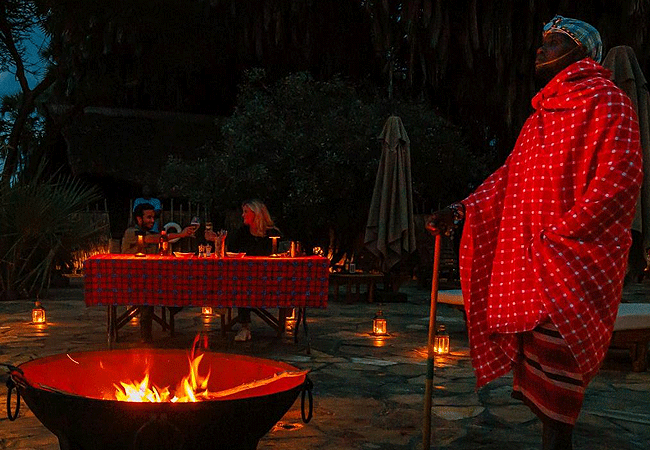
x,y
195,224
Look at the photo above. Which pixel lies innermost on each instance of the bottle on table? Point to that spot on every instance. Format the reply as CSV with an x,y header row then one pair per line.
x,y
163,244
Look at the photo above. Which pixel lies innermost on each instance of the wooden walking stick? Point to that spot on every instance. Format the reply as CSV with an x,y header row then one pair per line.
x,y
428,387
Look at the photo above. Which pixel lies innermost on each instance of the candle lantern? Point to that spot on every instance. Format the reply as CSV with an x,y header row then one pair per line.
x,y
207,311
290,319
38,313
274,244
441,343
379,324
140,240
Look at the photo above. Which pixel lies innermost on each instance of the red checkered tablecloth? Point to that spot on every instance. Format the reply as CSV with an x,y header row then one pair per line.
x,y
254,282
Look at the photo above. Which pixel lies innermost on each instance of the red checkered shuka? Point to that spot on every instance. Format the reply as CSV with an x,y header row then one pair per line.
x,y
547,235
247,282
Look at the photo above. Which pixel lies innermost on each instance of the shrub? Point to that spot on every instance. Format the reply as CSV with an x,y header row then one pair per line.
x,y
40,227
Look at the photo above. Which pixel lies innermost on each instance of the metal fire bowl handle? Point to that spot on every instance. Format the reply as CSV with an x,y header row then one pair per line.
x,y
11,385
306,388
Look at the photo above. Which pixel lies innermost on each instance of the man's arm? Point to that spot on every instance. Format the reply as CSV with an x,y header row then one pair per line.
x,y
153,238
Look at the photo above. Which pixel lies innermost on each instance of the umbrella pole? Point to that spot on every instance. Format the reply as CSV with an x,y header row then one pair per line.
x,y
428,388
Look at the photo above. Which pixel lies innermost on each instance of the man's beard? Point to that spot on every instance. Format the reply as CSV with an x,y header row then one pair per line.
x,y
144,226
546,71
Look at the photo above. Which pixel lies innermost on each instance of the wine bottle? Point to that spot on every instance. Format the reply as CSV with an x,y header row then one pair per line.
x,y
163,244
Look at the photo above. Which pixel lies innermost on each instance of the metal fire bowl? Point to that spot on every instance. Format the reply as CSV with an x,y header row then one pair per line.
x,y
66,393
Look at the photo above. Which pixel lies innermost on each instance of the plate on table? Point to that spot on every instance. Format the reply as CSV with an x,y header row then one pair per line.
x,y
183,254
235,255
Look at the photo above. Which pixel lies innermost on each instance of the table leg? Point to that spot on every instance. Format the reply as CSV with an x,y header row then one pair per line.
x,y
304,325
371,291
111,329
163,316
282,320
172,331
268,318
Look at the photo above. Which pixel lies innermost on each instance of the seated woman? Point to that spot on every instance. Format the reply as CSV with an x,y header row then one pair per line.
x,y
253,239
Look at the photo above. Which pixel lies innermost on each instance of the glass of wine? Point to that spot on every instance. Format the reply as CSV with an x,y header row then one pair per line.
x,y
195,223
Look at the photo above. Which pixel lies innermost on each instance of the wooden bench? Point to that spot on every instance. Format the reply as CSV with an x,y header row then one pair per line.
x,y
355,279
632,332
631,329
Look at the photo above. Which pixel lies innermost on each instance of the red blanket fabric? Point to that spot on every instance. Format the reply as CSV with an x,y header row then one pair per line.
x,y
165,280
546,236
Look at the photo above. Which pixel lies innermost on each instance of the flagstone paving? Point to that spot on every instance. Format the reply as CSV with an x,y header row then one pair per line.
x,y
368,392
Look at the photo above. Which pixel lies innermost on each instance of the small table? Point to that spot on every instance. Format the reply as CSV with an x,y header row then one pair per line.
x,y
355,279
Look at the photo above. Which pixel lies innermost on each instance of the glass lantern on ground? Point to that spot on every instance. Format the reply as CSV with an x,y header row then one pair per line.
x,y
379,327
441,343
290,319
38,313
207,311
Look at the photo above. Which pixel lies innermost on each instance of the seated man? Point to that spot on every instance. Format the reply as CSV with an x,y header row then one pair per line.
x,y
144,217
157,206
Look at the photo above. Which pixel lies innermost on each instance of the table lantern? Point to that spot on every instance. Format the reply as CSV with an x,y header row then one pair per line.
x,y
140,244
274,244
379,324
441,343
38,313
207,310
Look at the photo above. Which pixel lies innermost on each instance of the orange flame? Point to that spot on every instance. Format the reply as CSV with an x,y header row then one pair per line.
x,y
191,388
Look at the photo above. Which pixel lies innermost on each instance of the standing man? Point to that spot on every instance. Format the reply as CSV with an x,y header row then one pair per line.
x,y
545,238
144,218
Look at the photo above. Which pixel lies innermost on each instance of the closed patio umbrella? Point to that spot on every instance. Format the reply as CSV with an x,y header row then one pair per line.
x,y
390,230
627,75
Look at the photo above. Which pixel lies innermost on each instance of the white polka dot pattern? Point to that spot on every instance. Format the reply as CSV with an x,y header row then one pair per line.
x,y
546,235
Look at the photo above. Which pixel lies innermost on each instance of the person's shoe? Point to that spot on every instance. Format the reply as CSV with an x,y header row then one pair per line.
x,y
243,335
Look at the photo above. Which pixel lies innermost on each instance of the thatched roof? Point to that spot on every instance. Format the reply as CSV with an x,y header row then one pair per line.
x,y
133,145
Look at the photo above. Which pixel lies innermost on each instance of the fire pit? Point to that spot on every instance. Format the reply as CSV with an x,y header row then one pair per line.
x,y
74,396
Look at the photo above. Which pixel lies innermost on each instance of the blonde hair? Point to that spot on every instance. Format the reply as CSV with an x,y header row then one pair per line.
x,y
262,222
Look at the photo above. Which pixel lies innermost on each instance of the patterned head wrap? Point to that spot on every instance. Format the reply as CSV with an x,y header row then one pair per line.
x,y
581,32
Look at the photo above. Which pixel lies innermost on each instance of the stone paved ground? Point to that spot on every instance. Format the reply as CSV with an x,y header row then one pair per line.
x,y
368,393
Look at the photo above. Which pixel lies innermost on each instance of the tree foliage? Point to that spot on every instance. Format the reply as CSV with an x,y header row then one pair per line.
x,y
309,149
18,18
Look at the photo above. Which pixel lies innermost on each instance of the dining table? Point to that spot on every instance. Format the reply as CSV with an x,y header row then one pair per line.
x,y
174,282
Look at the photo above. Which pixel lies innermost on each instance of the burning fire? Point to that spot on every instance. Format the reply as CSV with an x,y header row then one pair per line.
x,y
192,388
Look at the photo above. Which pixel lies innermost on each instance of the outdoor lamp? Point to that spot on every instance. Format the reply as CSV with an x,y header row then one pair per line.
x,y
207,311
274,248
38,313
379,324
441,343
274,236
140,237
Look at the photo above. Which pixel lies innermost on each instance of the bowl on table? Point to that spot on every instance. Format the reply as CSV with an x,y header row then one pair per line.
x,y
235,255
